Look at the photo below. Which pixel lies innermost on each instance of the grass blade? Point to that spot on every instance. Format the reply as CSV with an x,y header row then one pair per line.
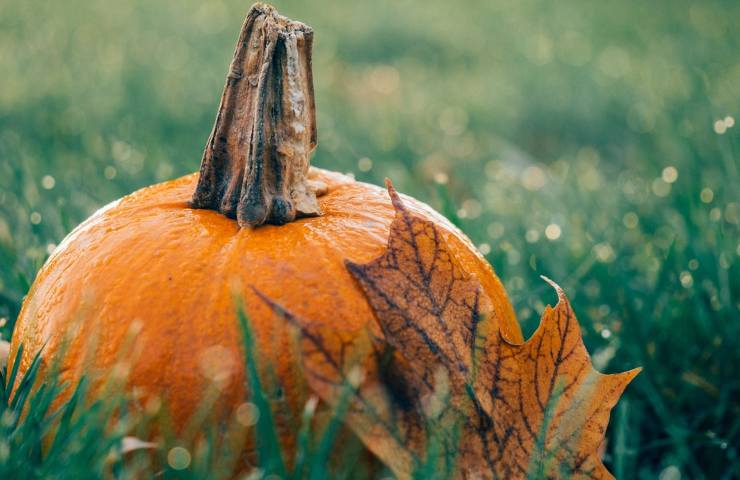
x,y
268,445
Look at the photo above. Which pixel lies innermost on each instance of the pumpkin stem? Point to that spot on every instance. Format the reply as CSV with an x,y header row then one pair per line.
x,y
256,160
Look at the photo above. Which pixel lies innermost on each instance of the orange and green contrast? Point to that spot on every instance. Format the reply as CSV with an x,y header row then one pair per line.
x,y
356,295
158,272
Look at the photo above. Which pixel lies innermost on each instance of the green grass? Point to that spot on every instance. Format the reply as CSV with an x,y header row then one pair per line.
x,y
567,118
89,435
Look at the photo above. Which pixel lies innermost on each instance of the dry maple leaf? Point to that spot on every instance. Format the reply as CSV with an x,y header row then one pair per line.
x,y
441,386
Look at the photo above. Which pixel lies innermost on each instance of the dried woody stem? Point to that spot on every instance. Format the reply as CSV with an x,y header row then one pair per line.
x,y
256,161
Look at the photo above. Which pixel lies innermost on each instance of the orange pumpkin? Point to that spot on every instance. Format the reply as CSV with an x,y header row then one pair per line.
x,y
170,262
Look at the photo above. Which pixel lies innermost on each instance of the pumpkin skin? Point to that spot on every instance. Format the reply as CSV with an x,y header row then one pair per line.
x,y
152,265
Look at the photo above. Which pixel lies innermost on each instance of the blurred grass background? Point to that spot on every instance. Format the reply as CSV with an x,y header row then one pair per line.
x,y
591,142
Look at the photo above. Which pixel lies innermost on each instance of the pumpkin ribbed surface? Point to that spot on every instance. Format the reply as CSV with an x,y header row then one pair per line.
x,y
150,268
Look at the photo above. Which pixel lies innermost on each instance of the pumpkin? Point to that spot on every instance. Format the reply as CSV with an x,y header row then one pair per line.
x,y
164,265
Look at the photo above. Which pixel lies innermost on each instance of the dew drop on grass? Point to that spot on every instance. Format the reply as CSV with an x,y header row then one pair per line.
x,y
48,182
630,220
669,174
532,235
441,178
553,231
153,405
495,230
720,127
715,214
660,187
533,178
247,414
364,164
7,419
671,472
178,458
604,252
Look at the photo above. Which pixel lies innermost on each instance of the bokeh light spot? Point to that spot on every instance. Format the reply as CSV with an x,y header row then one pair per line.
x,y
630,220
553,231
48,182
364,164
670,174
495,230
178,458
441,178
715,214
604,252
660,188
247,414
720,127
533,178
